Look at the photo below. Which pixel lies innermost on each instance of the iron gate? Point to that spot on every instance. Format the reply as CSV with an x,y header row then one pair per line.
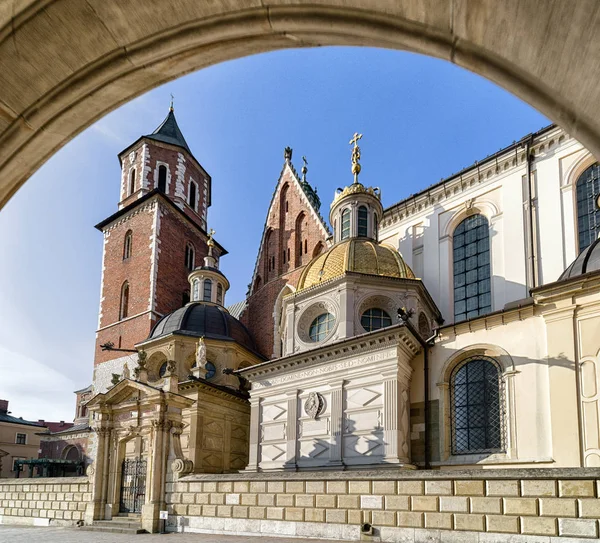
x,y
133,485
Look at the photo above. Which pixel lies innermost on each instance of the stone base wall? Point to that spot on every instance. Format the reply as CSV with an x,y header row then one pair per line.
x,y
401,506
43,502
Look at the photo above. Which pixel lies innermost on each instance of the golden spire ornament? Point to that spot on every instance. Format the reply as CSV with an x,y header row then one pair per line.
x,y
355,155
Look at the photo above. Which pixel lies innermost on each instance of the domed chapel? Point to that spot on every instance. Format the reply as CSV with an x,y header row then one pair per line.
x,y
454,329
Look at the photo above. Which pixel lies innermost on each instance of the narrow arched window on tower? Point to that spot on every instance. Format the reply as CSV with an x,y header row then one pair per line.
x,y
162,178
345,224
363,217
192,200
588,206
375,226
127,245
132,181
124,309
220,293
207,290
472,279
190,255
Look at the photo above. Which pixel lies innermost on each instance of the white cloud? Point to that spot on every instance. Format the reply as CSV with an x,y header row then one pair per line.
x,y
34,390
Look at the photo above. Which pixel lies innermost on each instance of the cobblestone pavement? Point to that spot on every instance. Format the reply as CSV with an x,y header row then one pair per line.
x,y
26,534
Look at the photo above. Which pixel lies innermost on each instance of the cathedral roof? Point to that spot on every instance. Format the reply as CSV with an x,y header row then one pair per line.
x,y
587,261
358,256
169,132
204,319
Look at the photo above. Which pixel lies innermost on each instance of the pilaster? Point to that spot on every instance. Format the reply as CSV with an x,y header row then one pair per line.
x,y
291,429
337,421
254,436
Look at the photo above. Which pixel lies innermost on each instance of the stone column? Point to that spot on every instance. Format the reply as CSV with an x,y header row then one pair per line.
x,y
291,430
336,452
98,475
254,437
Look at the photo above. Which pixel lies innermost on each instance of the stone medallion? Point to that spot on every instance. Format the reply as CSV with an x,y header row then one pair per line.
x,y
314,405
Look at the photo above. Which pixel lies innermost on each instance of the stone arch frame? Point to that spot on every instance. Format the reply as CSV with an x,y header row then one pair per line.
x,y
279,327
68,449
570,180
158,164
372,300
155,361
508,372
490,211
129,189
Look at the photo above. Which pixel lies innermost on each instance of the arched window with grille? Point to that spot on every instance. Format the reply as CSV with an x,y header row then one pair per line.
x,y
588,210
477,407
472,275
162,178
363,221
207,295
190,255
345,224
127,245
124,306
219,293
132,181
196,290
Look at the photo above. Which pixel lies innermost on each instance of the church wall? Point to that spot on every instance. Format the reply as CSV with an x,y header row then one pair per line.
x,y
280,235
421,227
517,341
401,506
137,271
171,275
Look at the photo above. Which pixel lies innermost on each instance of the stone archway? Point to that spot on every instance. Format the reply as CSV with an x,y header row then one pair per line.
x,y
542,52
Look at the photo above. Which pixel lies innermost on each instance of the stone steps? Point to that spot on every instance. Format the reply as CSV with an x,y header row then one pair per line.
x,y
118,525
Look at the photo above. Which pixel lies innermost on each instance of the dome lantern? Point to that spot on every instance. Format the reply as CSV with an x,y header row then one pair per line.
x,y
207,283
356,210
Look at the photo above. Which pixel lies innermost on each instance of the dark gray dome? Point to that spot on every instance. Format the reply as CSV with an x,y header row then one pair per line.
x,y
204,319
587,261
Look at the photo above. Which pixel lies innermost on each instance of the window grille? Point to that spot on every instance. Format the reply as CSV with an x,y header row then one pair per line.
x,y
207,290
190,256
363,218
588,211
477,405
21,439
321,326
219,294
375,318
472,279
345,224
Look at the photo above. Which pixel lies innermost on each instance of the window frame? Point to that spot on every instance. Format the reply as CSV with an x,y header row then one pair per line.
x,y
362,215
501,399
592,201
190,256
160,167
17,442
127,241
207,282
131,181
219,293
455,287
324,318
384,315
124,301
194,185
346,224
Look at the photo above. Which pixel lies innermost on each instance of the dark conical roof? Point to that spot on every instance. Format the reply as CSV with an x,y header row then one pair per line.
x,y
169,132
587,261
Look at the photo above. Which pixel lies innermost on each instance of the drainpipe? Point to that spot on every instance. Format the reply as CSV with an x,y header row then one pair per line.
x,y
531,266
405,316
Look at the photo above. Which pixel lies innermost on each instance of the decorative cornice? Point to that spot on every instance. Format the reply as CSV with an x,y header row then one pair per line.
x,y
504,161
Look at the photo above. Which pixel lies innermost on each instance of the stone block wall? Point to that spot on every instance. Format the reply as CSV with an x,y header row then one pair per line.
x,y
511,504
43,502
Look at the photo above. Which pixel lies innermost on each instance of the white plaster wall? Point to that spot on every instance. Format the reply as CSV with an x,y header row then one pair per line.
x,y
525,342
499,190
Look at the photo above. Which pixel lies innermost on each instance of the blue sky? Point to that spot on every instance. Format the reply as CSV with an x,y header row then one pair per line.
x,y
422,119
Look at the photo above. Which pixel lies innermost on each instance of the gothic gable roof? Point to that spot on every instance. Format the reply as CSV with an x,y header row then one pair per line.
x,y
169,132
310,204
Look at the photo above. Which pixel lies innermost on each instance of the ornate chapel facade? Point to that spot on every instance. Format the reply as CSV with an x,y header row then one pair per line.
x,y
457,327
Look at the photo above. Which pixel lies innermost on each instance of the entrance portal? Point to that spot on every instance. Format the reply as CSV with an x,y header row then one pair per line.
x,y
133,485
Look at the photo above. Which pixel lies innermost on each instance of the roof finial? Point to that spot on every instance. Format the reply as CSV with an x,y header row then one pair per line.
x,y
171,106
304,169
287,153
209,260
355,155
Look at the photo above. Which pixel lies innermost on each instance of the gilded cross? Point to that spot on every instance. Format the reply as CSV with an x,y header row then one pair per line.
x,y
355,155
355,138
211,233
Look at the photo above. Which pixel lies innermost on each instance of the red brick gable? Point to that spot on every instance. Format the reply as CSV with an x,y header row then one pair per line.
x,y
294,233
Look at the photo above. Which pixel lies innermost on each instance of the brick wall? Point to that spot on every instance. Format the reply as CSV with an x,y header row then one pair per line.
x,y
42,502
414,506
290,225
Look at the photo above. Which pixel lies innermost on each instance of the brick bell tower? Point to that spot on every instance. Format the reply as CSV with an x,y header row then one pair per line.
x,y
157,236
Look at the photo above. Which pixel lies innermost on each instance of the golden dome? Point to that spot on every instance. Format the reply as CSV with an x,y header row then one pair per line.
x,y
358,256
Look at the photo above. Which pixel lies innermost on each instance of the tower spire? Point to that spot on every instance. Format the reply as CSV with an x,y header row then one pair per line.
x,y
171,104
355,155
304,169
